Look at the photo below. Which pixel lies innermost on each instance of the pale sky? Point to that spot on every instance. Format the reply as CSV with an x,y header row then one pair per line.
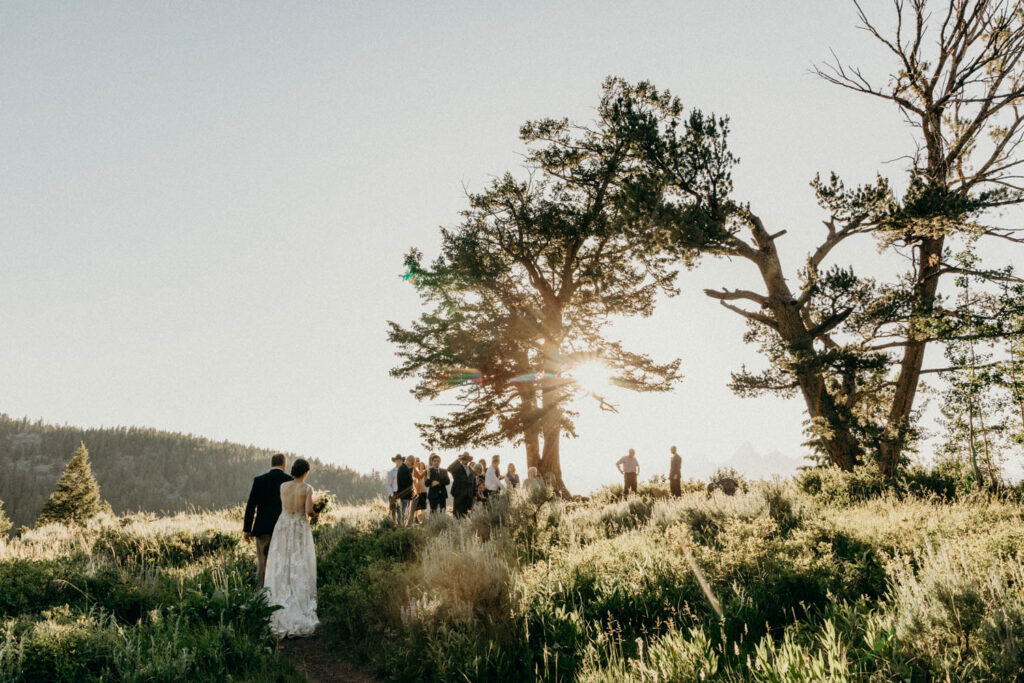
x,y
205,205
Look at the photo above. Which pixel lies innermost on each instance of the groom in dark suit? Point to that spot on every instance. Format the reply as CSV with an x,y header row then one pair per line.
x,y
262,511
437,481
463,485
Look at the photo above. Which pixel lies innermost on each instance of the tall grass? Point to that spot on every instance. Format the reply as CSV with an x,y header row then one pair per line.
x,y
775,583
784,581
139,598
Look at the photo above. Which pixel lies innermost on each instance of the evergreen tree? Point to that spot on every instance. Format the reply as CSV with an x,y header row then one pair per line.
x,y
521,296
5,523
973,409
77,497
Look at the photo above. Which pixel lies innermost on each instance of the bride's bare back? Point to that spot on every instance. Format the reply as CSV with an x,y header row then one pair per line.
x,y
297,497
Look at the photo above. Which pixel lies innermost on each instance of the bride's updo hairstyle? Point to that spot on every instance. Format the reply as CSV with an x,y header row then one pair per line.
x,y
299,467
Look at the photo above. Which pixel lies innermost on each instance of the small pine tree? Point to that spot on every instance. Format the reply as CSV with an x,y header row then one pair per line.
x,y
5,523
77,497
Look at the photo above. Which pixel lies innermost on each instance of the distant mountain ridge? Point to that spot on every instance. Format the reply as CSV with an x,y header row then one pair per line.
x,y
143,469
748,462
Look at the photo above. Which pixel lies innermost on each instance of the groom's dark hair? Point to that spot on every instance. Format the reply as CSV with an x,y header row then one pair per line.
x,y
277,460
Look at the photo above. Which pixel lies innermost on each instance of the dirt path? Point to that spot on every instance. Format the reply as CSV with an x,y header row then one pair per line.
x,y
313,659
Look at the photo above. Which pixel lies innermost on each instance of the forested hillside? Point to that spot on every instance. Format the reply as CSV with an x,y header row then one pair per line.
x,y
145,469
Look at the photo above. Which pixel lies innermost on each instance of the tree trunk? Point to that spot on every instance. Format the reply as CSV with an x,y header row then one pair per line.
x,y
981,418
972,443
927,281
529,422
1018,395
552,388
839,443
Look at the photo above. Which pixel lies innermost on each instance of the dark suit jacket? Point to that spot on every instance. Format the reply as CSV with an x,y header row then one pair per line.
x,y
437,492
462,483
404,481
675,468
264,503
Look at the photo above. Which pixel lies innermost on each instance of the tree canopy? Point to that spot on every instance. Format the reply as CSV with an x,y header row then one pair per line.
x,y
608,210
525,286
851,346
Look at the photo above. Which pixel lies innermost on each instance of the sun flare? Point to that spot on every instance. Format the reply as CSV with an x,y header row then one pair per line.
x,y
592,376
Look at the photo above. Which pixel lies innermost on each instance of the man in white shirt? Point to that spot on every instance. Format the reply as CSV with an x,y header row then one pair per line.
x,y
492,478
391,486
629,466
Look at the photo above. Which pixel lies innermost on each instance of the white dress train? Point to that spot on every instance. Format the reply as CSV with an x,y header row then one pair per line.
x,y
291,577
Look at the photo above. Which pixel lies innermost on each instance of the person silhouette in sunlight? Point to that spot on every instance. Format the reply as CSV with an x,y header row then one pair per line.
x,y
675,473
629,466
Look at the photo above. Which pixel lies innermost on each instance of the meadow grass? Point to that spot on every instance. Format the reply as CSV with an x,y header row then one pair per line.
x,y
775,583
818,578
137,598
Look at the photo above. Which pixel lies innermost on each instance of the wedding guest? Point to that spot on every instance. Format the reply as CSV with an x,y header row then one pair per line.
x,y
492,477
391,487
262,511
511,477
481,485
482,462
630,469
463,484
531,473
675,473
437,480
419,490
405,486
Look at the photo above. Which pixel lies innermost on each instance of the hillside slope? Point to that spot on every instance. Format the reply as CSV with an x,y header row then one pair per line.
x,y
141,469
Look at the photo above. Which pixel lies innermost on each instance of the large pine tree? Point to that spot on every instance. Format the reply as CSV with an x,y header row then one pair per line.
x,y
523,292
77,497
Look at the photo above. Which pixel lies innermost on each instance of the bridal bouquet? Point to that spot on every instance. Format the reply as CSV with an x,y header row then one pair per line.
x,y
323,504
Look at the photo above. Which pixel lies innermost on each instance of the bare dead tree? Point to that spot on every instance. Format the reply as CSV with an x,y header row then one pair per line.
x,y
852,347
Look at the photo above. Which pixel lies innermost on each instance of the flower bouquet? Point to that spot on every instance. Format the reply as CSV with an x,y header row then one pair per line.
x,y
322,504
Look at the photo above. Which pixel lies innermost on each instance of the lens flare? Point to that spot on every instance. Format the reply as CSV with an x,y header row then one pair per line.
x,y
592,376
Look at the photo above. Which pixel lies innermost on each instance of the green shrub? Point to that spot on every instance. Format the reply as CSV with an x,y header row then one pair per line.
x,y
947,478
37,585
631,513
833,486
728,480
67,647
163,550
962,614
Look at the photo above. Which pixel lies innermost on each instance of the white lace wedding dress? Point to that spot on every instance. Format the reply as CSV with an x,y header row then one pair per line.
x,y
291,577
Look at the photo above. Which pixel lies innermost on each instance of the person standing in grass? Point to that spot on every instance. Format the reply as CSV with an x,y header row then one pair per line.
x,y
437,481
291,566
463,484
492,477
262,511
391,487
405,486
630,469
511,477
675,474
481,483
419,492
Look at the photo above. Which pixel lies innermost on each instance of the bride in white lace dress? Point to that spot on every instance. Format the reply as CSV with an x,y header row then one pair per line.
x,y
291,563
